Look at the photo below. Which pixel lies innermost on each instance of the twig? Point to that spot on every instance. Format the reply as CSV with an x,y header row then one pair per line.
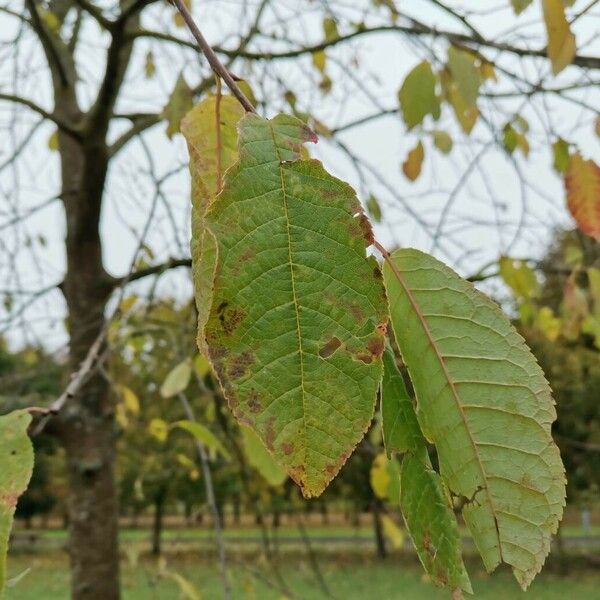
x,y
210,496
211,57
77,380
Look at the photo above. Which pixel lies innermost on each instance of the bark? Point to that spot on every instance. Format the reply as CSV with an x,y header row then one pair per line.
x,y
378,529
86,426
157,525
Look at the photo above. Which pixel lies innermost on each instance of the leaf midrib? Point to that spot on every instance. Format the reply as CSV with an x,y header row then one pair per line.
x,y
455,395
294,297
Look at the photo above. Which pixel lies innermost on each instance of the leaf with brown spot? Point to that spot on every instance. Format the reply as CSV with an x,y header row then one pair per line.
x,y
301,238
211,154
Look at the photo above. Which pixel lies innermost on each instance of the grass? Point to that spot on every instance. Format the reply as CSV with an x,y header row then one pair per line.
x,y
347,578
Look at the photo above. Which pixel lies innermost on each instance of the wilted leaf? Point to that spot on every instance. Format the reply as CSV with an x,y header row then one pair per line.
x,y
295,328
260,458
484,402
199,128
442,141
561,41
414,161
560,151
177,380
519,278
16,466
204,435
583,194
180,102
417,95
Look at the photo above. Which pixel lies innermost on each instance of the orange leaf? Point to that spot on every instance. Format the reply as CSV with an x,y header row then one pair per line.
x,y
414,161
583,194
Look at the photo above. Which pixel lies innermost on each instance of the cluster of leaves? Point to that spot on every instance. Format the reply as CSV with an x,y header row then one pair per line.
x,y
293,315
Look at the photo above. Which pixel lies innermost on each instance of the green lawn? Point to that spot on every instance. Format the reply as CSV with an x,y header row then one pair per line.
x,y
347,579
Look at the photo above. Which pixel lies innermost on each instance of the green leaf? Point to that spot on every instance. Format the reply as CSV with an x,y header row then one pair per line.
x,y
177,380
519,278
401,431
483,401
180,102
16,466
560,152
417,95
509,138
442,141
431,524
429,518
199,128
466,114
204,435
465,74
149,65
53,143
411,167
260,458
374,208
295,331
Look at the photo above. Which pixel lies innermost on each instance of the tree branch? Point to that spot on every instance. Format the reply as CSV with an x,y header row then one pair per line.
x,y
62,125
418,29
172,263
212,58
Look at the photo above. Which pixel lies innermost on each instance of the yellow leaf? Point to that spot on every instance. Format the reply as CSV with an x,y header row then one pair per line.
x,y
177,18
121,416
394,534
380,476
130,400
548,323
177,379
583,194
158,429
319,60
561,41
53,141
128,303
414,161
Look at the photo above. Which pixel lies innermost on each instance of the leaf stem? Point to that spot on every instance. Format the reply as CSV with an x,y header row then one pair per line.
x,y
217,66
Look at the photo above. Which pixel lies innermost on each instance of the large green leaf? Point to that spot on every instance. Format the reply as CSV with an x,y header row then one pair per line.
x,y
417,95
210,156
16,466
483,401
298,312
429,518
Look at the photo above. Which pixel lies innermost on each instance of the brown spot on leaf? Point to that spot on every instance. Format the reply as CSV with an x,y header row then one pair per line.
x,y
331,469
427,542
330,347
364,357
377,273
287,447
254,402
365,226
382,328
270,433
248,254
375,346
356,311
238,364
229,317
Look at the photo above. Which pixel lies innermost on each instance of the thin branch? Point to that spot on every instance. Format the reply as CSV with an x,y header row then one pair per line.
x,y
172,263
212,58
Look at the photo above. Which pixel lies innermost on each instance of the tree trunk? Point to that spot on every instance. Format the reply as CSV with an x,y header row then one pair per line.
x,y
378,529
86,426
157,525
